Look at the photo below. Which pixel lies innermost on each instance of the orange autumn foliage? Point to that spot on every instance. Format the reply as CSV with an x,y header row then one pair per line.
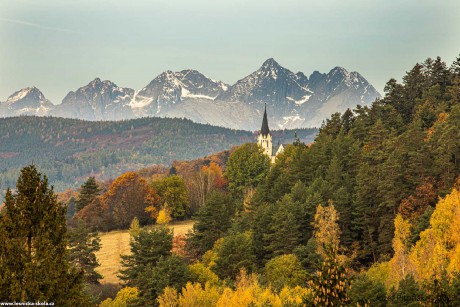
x,y
178,246
414,205
127,197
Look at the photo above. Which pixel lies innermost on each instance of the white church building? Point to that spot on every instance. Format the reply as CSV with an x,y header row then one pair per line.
x,y
266,142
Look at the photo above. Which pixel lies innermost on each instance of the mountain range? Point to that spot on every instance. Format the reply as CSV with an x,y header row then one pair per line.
x,y
293,100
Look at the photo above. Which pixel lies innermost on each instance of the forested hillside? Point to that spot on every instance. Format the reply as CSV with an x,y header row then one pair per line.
x,y
367,215
69,150
397,156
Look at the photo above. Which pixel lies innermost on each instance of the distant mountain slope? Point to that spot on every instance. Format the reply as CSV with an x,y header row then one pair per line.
x,y
98,100
293,100
28,101
171,88
69,150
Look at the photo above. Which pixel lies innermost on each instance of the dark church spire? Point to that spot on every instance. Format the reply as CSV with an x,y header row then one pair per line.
x,y
264,130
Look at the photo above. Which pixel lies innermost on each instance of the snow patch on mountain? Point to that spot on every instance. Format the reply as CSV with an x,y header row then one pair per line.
x,y
293,100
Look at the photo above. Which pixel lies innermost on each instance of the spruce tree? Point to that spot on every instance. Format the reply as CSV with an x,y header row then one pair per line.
x,y
89,190
146,250
213,221
408,293
82,246
34,264
170,271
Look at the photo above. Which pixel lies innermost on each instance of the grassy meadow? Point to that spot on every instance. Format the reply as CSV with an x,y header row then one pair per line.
x,y
116,243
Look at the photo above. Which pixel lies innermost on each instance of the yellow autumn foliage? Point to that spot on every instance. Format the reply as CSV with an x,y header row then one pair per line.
x,y
203,274
163,217
122,299
437,250
380,273
327,231
439,246
247,292
400,264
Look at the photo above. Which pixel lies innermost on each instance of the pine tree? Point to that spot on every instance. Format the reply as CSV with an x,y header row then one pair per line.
x,y
89,190
287,227
147,248
408,293
330,285
455,67
365,292
170,271
34,264
82,247
213,221
235,253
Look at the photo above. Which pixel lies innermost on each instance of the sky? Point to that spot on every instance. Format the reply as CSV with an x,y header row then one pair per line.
x,y
61,45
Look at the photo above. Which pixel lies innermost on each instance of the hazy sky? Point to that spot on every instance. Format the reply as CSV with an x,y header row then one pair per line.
x,y
60,45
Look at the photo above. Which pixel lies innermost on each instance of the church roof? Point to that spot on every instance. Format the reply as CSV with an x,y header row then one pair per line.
x,y
277,147
264,130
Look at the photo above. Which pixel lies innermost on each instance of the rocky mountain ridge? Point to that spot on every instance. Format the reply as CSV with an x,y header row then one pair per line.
x,y
293,100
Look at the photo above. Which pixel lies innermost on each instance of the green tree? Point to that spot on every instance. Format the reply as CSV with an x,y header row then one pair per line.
x,y
213,221
34,262
308,257
407,294
234,253
285,270
146,250
330,285
247,166
439,292
174,196
365,292
170,271
455,294
287,226
88,191
82,247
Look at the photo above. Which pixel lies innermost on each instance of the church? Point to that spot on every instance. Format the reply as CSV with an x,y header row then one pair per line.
x,y
266,142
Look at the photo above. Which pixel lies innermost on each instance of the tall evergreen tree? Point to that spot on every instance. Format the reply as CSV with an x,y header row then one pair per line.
x,y
34,262
171,271
89,190
82,247
214,219
146,250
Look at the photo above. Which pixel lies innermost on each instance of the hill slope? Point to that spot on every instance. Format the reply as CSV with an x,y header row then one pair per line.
x,y
69,150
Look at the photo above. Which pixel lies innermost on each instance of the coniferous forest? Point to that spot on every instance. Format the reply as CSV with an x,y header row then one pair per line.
x,y
367,215
70,150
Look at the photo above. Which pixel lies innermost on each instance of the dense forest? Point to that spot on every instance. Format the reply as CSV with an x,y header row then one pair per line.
x,y
70,150
367,215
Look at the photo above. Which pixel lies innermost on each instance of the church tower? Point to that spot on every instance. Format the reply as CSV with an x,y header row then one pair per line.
x,y
265,139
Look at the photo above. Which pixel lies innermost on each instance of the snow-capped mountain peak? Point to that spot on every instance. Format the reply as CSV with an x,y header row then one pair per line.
x,y
293,99
171,88
272,84
95,100
27,101
28,92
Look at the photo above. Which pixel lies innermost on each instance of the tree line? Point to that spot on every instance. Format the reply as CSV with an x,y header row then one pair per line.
x,y
70,150
366,215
